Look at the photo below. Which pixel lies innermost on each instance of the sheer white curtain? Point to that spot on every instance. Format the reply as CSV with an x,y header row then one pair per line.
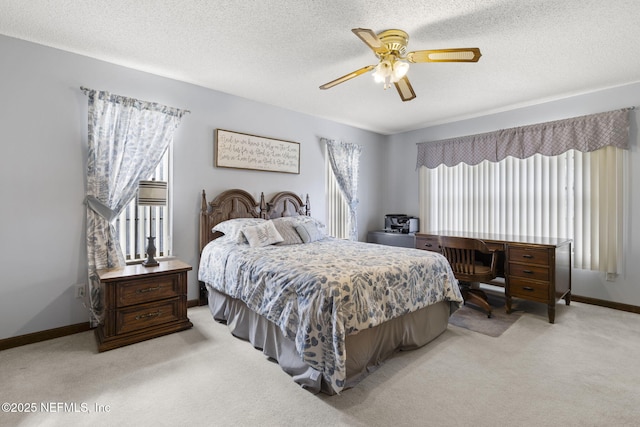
x,y
577,195
601,179
126,140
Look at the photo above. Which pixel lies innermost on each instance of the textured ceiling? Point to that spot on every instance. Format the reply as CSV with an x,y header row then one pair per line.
x,y
280,51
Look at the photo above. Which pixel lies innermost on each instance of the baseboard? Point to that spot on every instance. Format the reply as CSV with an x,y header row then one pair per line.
x,y
607,304
35,337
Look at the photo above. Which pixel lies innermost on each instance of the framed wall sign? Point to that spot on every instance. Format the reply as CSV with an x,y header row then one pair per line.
x,y
243,151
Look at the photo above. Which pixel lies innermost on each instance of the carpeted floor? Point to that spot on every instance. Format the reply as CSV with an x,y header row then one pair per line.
x,y
580,371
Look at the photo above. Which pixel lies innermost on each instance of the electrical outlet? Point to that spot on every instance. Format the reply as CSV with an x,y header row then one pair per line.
x,y
80,290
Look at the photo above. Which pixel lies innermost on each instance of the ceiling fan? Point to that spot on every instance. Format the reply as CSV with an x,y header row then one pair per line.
x,y
390,47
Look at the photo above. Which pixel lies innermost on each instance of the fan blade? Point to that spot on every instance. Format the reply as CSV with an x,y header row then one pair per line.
x,y
404,89
470,54
347,77
371,39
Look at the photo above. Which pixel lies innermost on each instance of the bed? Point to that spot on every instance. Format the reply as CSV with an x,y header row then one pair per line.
x,y
328,311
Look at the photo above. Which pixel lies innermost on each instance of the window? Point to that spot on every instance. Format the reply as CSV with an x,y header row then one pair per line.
x,y
132,225
337,208
574,195
527,197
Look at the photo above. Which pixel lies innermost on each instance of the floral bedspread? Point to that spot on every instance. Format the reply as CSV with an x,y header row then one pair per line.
x,y
320,292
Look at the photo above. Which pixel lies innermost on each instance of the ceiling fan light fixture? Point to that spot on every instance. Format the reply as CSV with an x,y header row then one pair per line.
x,y
390,71
400,69
383,73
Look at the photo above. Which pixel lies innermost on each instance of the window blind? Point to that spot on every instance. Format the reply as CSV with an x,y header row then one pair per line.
x,y
337,207
574,195
132,225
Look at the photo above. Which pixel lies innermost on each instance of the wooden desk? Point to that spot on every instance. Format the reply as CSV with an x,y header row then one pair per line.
x,y
535,268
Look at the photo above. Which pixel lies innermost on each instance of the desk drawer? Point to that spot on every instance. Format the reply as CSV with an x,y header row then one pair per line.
x,y
528,255
147,290
529,271
428,243
522,288
146,315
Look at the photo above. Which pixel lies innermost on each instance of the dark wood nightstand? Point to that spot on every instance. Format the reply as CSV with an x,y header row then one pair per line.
x,y
142,303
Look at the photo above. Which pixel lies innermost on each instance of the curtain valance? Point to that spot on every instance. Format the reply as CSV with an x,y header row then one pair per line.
x,y
127,102
585,133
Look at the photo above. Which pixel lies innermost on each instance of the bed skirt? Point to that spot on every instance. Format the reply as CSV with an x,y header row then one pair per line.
x,y
365,350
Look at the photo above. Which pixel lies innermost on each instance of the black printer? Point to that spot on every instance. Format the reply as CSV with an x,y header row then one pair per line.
x,y
400,223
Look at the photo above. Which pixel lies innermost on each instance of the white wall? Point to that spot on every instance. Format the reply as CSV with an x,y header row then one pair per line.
x,y
401,188
43,126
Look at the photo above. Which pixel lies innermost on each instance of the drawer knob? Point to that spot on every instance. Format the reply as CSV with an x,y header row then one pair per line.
x,y
428,245
142,291
527,271
527,256
527,288
146,316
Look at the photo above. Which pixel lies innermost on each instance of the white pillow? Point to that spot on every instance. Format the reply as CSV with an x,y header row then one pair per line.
x,y
264,234
303,219
319,226
309,232
233,227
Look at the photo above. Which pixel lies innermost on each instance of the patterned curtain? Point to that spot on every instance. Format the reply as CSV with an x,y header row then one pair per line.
x,y
127,138
345,163
585,134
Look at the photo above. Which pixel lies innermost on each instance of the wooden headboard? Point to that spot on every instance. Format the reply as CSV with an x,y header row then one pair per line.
x,y
238,203
286,203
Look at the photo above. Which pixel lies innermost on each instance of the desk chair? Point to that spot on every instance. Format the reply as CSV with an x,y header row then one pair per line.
x,y
461,252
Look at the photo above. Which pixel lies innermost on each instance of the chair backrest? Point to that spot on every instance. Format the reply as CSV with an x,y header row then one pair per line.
x,y
461,254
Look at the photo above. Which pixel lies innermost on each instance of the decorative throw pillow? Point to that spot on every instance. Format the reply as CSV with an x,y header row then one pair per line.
x,y
264,234
309,232
286,228
233,227
320,227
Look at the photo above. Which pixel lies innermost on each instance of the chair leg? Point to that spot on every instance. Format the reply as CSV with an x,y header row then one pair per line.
x,y
477,297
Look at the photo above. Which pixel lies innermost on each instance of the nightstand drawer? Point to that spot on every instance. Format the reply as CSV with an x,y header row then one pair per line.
x,y
429,243
529,271
528,255
521,288
147,315
147,290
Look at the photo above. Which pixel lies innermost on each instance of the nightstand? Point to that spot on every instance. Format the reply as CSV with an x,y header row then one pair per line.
x,y
141,303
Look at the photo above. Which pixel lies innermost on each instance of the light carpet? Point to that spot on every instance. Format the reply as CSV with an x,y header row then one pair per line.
x,y
580,371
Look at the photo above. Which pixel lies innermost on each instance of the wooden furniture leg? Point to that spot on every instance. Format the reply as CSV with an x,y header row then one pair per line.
x,y
476,296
